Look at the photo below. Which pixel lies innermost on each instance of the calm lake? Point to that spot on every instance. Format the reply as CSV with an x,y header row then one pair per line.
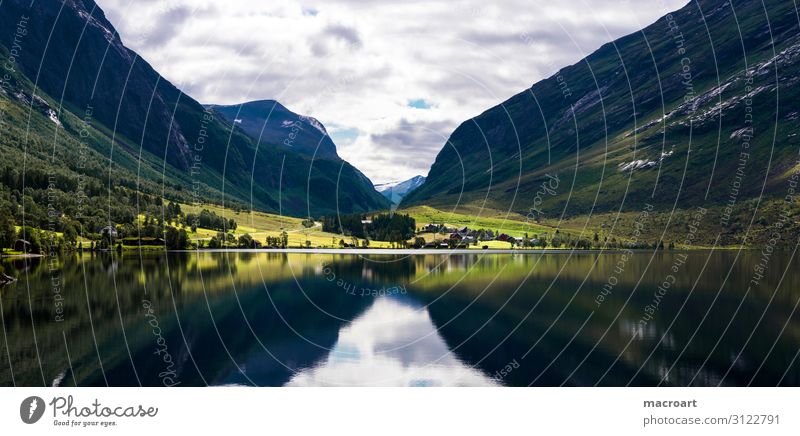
x,y
276,319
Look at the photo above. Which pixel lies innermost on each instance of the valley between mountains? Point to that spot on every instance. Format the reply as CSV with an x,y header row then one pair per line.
x,y
683,135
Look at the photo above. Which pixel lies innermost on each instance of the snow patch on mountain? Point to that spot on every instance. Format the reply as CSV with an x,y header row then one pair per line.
x,y
396,191
54,117
381,187
317,125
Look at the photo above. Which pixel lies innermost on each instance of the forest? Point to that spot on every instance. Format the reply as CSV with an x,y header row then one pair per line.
x,y
396,227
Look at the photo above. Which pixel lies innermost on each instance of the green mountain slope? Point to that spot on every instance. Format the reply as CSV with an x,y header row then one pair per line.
x,y
662,116
68,54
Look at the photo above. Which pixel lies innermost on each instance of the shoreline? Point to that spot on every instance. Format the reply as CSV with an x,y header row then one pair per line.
x,y
388,251
21,256
395,251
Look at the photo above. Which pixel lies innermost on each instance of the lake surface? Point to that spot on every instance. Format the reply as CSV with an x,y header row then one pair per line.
x,y
292,319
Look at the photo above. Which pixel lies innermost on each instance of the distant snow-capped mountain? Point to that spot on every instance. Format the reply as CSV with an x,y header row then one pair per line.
x,y
395,191
381,187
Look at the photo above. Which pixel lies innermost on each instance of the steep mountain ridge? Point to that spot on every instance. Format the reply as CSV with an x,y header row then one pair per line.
x,y
70,52
268,121
665,116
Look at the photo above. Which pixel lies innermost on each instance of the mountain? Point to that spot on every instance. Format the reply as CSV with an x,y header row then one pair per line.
x,y
142,132
268,121
396,191
698,109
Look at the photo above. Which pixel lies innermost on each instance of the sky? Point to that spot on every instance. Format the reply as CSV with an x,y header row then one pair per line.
x,y
389,80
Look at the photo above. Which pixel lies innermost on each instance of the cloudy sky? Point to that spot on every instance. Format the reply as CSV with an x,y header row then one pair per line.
x,y
390,80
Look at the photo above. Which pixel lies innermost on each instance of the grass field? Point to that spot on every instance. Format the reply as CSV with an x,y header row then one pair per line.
x,y
512,224
605,225
259,225
81,239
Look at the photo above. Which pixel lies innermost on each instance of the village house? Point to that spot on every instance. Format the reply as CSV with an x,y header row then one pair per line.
x,y
109,230
143,241
507,238
431,228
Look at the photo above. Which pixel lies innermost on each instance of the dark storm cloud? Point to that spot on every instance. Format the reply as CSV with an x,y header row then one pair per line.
x,y
347,34
167,25
323,43
416,143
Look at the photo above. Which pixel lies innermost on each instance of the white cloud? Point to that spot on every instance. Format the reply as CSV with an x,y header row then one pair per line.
x,y
358,64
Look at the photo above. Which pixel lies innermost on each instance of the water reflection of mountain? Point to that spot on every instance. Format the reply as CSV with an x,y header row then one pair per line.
x,y
273,319
545,310
203,319
491,339
249,337
493,310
